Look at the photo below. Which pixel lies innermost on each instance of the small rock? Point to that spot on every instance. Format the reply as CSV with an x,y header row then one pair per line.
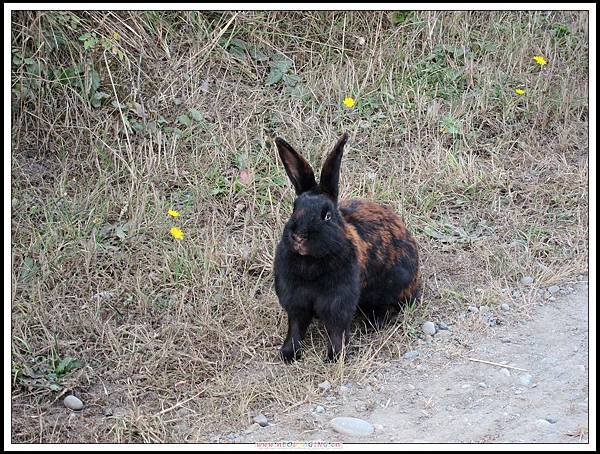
x,y
319,409
581,277
551,420
443,334
554,289
516,294
343,389
473,309
411,355
482,384
466,386
526,379
543,424
484,309
526,280
443,326
352,426
505,307
378,427
552,298
261,420
325,386
73,403
428,328
505,371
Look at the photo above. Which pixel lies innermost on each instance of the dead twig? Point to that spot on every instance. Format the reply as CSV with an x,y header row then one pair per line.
x,y
497,364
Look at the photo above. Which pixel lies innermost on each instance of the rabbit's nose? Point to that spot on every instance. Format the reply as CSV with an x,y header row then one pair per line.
x,y
297,238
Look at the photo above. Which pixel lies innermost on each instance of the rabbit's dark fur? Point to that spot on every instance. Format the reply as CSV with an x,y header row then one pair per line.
x,y
336,258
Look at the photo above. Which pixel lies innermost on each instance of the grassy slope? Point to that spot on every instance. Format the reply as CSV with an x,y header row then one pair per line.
x,y
177,338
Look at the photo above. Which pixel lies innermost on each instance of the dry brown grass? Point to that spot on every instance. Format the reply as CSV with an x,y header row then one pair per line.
x,y
177,340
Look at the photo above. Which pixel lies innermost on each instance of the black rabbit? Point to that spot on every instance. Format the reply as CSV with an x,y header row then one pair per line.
x,y
334,258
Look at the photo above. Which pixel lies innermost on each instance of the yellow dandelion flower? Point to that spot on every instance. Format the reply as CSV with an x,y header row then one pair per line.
x,y
116,36
519,91
177,233
173,213
349,102
540,60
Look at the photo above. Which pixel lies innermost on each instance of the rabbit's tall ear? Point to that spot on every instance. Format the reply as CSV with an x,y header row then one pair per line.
x,y
330,174
300,172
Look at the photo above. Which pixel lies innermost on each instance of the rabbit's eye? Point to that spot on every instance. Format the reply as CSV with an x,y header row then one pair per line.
x,y
327,216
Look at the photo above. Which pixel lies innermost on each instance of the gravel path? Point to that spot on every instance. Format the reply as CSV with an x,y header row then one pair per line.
x,y
443,396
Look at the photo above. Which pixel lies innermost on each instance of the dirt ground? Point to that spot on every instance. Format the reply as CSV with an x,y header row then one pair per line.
x,y
444,397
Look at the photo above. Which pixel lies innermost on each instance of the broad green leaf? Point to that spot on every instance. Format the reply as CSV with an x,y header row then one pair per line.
x,y
137,125
66,365
291,79
399,17
274,76
236,42
98,97
450,125
184,120
28,270
121,232
196,115
90,42
94,81
258,55
282,62
237,52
